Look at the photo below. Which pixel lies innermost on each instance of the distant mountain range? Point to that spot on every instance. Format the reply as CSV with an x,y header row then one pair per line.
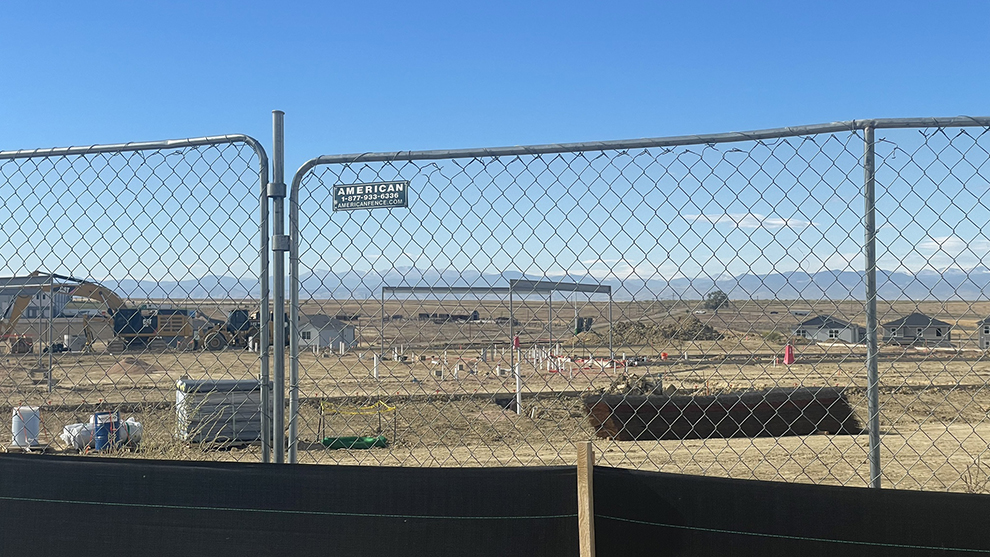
x,y
835,285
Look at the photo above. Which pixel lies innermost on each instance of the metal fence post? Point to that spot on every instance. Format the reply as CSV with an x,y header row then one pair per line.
x,y
872,346
265,329
280,244
51,331
293,241
611,348
294,339
512,331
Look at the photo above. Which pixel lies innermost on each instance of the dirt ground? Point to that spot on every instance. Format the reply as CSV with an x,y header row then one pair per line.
x,y
923,454
934,422
444,401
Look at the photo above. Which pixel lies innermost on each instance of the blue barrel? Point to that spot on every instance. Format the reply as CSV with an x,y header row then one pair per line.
x,y
105,434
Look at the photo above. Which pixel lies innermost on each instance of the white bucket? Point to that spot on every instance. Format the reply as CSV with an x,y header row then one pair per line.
x,y
25,425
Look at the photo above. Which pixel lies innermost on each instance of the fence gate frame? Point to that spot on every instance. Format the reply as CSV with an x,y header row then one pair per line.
x,y
867,127
263,218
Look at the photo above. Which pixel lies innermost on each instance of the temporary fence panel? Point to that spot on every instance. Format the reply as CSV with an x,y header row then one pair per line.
x,y
126,268
805,304
749,278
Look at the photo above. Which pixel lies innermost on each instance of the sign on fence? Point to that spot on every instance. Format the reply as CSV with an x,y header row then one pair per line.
x,y
375,195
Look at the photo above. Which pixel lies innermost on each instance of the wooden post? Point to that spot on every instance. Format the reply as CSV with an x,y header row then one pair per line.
x,y
586,498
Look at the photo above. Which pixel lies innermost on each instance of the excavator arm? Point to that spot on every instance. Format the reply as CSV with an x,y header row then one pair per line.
x,y
91,290
13,314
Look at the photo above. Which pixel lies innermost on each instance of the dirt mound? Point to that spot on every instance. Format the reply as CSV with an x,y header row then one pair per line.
x,y
632,333
129,365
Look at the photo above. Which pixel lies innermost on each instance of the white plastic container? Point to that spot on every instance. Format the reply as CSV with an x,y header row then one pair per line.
x,y
82,436
75,343
25,425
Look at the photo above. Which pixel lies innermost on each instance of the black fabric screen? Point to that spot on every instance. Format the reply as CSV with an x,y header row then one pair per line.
x,y
650,513
52,505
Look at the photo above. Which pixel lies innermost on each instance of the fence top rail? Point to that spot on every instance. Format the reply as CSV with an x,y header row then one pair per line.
x,y
773,133
138,146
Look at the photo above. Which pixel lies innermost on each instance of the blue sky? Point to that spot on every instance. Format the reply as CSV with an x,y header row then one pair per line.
x,y
356,77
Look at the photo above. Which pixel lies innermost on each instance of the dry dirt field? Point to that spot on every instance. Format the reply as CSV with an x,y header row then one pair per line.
x,y
934,416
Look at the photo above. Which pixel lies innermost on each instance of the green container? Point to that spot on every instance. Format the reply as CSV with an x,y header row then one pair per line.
x,y
354,442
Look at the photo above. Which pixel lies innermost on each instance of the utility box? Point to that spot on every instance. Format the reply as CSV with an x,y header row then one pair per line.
x,y
218,411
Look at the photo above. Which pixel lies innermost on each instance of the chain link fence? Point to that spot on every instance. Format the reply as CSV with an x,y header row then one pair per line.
x,y
805,304
120,268
933,286
693,304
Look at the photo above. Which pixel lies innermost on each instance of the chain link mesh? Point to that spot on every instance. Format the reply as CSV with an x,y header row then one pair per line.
x,y
932,237
725,260
669,290
114,266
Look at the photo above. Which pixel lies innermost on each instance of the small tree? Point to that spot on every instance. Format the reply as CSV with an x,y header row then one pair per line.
x,y
715,300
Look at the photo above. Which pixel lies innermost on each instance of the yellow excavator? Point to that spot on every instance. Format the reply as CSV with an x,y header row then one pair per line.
x,y
134,327
12,342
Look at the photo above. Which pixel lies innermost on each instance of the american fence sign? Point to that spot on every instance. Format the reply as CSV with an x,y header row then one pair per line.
x,y
374,195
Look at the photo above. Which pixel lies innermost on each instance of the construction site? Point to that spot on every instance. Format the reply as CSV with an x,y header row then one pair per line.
x,y
458,373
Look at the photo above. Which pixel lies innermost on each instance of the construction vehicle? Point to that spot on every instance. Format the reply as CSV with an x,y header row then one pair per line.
x,y
132,327
12,342
135,327
16,344
237,331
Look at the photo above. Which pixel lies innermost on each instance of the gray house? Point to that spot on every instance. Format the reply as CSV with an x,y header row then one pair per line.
x,y
823,328
323,331
917,328
984,328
